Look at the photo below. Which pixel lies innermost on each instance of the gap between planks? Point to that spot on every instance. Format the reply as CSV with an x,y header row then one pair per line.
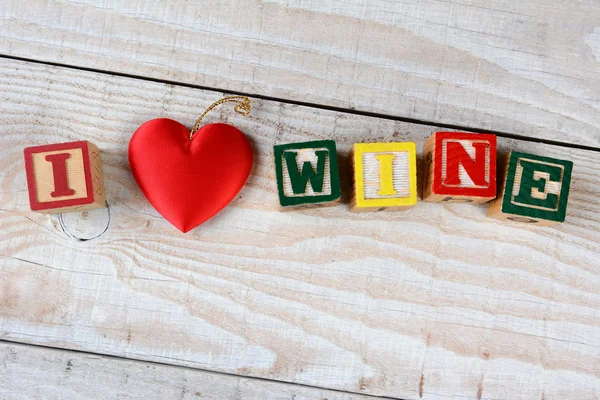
x,y
353,111
134,362
494,67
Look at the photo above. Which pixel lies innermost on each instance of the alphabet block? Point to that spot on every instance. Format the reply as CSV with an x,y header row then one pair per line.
x,y
64,177
460,167
385,176
307,174
533,189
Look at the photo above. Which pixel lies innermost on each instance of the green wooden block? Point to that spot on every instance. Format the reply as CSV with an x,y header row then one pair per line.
x,y
307,174
535,189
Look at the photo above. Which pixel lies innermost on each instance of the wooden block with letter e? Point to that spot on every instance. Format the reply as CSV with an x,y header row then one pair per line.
x,y
460,167
385,176
64,177
307,174
533,189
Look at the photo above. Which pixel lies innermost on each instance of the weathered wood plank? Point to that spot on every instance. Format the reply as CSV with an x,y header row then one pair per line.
x,y
435,302
526,67
28,372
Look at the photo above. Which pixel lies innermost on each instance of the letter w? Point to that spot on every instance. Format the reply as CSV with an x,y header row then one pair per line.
x,y
299,179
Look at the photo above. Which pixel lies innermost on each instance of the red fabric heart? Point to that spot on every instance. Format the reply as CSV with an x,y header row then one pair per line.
x,y
189,181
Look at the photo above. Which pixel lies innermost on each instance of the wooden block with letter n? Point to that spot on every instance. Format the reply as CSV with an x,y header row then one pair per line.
x,y
307,174
533,189
64,177
460,167
385,176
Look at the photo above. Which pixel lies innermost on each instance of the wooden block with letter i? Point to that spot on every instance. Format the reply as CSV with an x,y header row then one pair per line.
x,y
64,177
385,176
307,174
460,167
533,189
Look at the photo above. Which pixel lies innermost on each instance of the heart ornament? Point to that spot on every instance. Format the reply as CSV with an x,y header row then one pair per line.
x,y
189,176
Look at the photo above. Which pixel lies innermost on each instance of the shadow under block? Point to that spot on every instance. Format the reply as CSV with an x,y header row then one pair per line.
x,y
533,189
385,176
64,177
307,174
460,167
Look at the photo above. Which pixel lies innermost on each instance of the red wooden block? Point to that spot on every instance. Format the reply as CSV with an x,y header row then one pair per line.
x,y
460,167
64,177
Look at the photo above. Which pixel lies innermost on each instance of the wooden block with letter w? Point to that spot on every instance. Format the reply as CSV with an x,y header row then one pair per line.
x,y
460,167
307,174
64,177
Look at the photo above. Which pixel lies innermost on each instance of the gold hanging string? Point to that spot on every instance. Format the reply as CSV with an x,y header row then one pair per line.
x,y
242,107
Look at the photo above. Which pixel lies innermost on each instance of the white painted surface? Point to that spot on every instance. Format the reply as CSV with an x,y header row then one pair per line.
x,y
435,302
526,67
31,373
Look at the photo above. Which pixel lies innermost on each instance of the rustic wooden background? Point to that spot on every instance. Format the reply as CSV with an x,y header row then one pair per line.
x,y
438,302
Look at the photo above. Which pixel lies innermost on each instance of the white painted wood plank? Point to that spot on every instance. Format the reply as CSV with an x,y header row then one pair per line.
x,y
28,373
435,302
526,67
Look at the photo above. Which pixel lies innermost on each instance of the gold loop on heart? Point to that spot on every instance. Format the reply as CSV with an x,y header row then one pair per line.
x,y
242,107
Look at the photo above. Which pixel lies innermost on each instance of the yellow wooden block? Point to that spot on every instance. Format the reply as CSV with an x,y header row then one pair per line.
x,y
385,176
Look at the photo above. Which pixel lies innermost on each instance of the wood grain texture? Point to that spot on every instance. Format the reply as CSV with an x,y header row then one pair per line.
x,y
436,302
526,67
31,373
